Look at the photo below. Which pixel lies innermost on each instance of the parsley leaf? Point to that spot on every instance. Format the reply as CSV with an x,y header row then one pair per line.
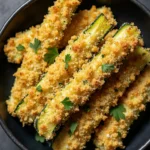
x,y
67,103
107,68
73,127
39,138
49,143
118,112
39,88
67,59
50,56
20,47
36,45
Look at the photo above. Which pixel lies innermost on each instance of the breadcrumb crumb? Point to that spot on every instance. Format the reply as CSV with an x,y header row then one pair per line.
x,y
115,50
100,103
81,48
33,65
134,101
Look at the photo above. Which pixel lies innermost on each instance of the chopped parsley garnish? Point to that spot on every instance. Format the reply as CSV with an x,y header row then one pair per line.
x,y
67,59
39,88
20,47
85,82
73,127
36,45
67,103
107,67
50,56
49,143
39,138
103,56
86,108
118,112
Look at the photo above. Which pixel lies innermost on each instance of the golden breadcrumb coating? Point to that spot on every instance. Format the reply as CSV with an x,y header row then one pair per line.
x,y
44,31
33,66
82,20
110,135
80,49
23,38
78,24
112,53
100,103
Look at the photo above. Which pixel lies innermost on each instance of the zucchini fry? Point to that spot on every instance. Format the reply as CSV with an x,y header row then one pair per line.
x,y
76,93
80,49
82,20
21,38
110,135
34,64
78,24
100,102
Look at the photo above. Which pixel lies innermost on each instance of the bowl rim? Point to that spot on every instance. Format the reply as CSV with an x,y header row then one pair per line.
x,y
2,124
18,10
14,14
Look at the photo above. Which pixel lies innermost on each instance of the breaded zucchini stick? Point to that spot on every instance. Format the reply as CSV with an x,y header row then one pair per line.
x,y
78,24
82,20
100,102
49,35
15,55
76,93
79,51
110,135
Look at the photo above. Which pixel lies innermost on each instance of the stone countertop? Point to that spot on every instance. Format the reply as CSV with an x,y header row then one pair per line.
x,y
7,7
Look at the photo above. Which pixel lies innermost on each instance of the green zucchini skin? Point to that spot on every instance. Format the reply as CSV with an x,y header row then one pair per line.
x,y
18,106
81,49
134,102
94,111
121,28
89,30
126,40
22,102
48,35
36,120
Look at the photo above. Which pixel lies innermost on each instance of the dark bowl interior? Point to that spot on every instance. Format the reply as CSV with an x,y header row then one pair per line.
x,y
31,14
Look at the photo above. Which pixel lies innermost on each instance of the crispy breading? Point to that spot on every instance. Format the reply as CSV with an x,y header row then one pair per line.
x,y
81,49
112,53
82,20
23,38
33,66
78,24
110,135
100,102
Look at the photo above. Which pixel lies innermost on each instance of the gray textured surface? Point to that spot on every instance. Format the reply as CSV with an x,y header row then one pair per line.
x,y
6,143
7,7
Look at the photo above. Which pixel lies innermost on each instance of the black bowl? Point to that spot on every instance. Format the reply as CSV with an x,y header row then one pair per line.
x,y
31,13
